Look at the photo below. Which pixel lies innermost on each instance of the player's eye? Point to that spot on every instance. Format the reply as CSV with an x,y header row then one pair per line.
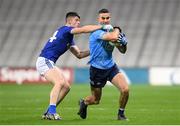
x,y
77,20
103,18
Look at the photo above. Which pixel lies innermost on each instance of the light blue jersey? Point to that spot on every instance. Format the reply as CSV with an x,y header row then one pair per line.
x,y
100,51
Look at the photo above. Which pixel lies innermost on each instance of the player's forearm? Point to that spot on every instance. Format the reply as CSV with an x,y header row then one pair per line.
x,y
122,48
90,28
86,29
83,54
111,36
115,34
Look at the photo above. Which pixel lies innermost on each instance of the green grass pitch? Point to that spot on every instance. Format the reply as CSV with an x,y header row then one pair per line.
x,y
24,104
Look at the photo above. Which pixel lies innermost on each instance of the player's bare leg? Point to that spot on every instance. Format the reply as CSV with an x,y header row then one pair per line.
x,y
64,91
55,76
89,100
95,97
120,82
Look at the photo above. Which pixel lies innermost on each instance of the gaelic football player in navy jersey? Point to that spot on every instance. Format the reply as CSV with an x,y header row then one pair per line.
x,y
103,67
57,45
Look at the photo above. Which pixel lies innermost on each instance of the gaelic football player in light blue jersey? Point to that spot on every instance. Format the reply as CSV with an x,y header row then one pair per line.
x,y
57,45
103,67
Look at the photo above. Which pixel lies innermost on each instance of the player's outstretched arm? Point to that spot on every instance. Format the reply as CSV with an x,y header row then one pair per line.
x,y
78,53
90,28
86,29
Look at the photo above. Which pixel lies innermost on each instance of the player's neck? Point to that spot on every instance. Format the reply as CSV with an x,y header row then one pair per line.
x,y
67,24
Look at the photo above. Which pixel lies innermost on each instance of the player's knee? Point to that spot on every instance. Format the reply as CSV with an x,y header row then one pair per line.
x,y
59,83
67,86
125,90
95,100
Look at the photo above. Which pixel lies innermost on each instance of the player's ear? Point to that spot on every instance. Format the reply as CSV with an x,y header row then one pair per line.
x,y
68,20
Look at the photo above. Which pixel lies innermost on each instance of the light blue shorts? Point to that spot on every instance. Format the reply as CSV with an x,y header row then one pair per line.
x,y
43,65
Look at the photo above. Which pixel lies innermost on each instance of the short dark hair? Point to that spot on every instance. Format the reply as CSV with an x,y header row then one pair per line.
x,y
72,14
103,11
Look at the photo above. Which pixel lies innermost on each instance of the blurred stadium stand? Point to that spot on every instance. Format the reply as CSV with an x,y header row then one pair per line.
x,y
152,28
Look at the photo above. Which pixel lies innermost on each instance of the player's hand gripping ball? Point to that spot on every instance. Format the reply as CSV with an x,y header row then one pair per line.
x,y
122,39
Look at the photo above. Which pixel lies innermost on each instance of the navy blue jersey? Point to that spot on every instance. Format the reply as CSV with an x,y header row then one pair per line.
x,y
58,44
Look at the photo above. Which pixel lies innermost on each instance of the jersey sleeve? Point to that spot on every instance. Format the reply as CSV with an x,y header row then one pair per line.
x,y
72,43
69,29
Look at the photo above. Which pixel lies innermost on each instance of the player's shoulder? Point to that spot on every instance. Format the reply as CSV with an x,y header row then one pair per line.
x,y
65,28
97,32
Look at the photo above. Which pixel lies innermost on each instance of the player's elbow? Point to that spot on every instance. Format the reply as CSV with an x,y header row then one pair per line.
x,y
79,56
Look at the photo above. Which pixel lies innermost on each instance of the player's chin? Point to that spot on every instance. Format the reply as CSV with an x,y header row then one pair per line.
x,y
107,23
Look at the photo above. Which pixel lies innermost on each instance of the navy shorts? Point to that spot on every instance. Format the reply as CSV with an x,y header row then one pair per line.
x,y
99,77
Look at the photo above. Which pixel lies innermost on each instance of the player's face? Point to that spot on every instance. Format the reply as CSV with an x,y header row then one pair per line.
x,y
104,18
75,22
